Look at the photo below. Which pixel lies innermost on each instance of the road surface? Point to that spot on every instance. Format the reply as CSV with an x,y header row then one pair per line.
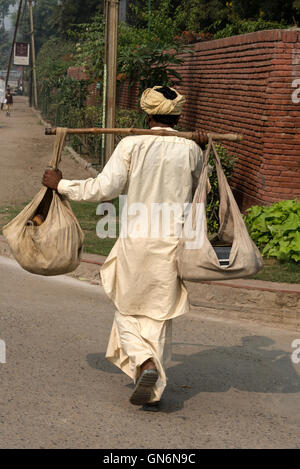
x,y
231,384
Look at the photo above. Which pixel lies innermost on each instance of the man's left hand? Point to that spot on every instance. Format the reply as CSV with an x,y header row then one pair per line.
x,y
51,178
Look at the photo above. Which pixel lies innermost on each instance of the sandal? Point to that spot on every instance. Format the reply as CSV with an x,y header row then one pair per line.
x,y
151,406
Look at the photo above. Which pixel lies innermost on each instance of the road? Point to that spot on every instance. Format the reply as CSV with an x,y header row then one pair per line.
x,y
231,384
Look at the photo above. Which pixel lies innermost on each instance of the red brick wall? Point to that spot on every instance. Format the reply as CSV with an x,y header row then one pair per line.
x,y
78,73
244,84
127,95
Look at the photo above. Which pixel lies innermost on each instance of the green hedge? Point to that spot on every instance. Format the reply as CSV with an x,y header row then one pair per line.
x,y
276,229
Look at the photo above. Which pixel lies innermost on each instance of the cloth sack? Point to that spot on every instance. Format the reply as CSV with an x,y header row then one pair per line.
x,y
54,247
196,257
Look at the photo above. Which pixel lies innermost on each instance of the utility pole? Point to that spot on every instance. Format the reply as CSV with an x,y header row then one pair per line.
x,y
13,44
149,12
104,89
111,47
35,101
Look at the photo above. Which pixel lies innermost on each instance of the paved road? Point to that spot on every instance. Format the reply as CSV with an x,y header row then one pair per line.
x,y
231,384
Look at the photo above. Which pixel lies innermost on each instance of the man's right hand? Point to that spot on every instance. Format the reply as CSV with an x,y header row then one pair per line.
x,y
51,178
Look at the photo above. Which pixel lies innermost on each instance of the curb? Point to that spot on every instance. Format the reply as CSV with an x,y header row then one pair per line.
x,y
82,162
259,285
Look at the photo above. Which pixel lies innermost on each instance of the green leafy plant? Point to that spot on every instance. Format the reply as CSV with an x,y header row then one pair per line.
x,y
276,229
241,26
53,60
89,39
151,63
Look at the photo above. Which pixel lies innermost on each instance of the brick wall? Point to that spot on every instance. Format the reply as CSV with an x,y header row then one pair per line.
x,y
244,84
78,73
127,95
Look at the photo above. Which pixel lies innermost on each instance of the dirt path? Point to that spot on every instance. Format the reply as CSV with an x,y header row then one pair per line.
x,y
25,152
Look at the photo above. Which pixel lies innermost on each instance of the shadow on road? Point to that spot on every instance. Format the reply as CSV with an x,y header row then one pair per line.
x,y
250,367
98,361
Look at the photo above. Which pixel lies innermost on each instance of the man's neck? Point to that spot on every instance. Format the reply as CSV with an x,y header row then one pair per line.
x,y
158,124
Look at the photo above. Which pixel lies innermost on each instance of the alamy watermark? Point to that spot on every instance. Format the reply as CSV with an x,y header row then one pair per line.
x,y
155,220
296,93
2,352
296,354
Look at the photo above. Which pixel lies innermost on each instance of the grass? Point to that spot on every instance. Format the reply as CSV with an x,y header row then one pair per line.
x,y
86,215
273,271
277,271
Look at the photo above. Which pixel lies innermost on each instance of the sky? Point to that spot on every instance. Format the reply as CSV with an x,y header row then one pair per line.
x,y
7,20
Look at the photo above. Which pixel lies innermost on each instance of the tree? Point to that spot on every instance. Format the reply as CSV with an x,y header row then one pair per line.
x,y
200,15
4,9
269,10
4,35
42,18
4,48
71,12
43,11
213,15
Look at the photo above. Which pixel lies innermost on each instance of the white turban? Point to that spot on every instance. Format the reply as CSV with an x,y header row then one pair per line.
x,y
154,102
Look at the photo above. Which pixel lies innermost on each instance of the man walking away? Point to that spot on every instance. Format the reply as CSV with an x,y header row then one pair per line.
x,y
9,102
140,274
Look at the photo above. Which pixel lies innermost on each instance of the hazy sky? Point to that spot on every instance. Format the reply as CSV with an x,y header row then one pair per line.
x,y
7,20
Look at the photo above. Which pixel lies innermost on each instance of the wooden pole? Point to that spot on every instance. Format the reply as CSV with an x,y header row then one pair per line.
x,y
103,140
13,44
33,55
189,135
112,48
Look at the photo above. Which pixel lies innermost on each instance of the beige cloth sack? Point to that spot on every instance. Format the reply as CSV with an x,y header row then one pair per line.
x,y
196,257
54,247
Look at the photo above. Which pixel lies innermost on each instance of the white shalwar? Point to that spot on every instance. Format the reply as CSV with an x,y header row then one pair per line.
x,y
140,274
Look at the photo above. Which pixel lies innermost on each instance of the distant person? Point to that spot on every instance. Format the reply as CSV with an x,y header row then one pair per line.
x,y
2,92
9,102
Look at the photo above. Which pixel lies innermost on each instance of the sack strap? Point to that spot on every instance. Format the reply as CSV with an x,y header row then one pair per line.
x,y
225,214
210,146
61,133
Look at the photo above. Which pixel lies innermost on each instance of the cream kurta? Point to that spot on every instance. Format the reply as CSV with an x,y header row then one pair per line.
x,y
140,274
134,339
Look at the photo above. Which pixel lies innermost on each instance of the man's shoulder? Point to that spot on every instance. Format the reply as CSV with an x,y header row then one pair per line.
x,y
131,141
